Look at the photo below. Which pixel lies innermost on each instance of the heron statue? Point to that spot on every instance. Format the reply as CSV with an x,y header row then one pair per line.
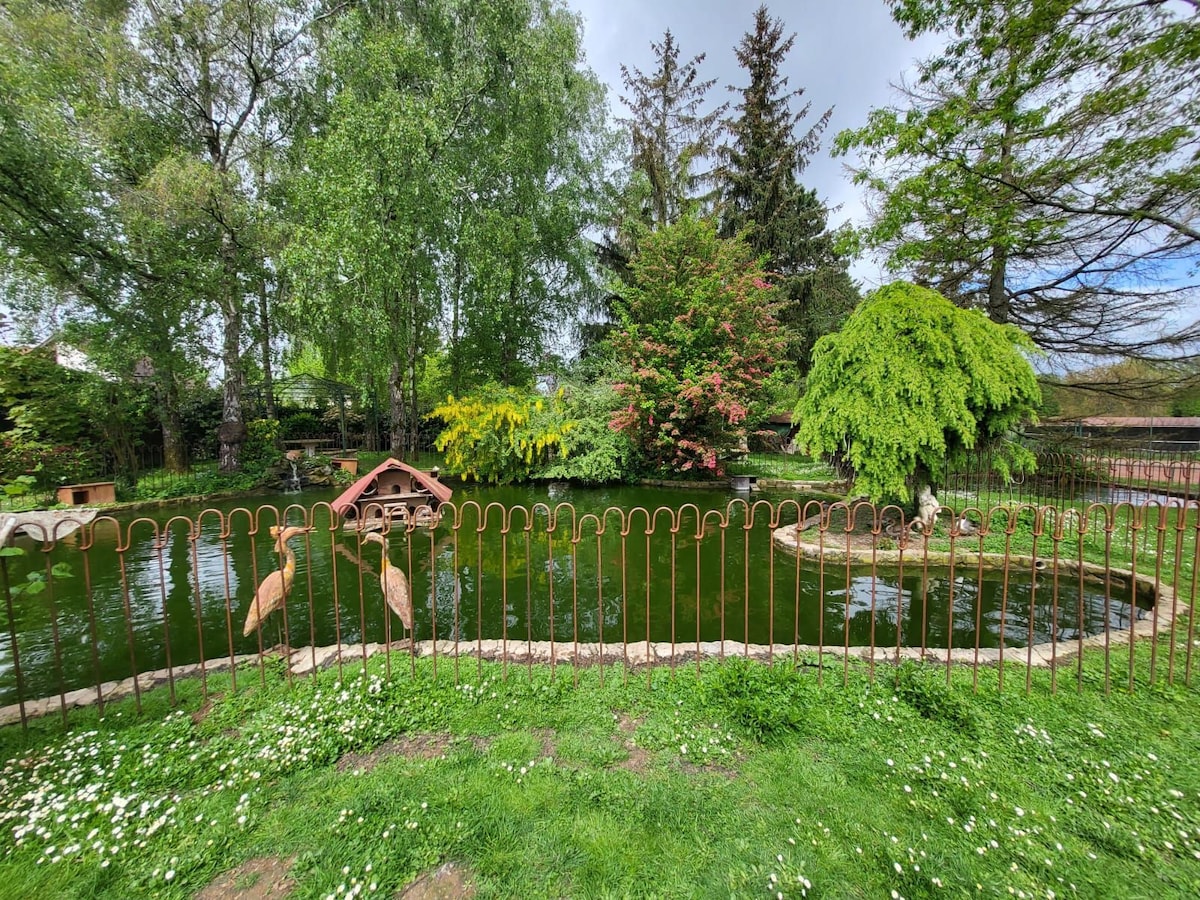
x,y
275,587
393,583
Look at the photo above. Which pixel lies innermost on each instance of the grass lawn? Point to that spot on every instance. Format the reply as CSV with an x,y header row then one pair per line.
x,y
794,467
742,780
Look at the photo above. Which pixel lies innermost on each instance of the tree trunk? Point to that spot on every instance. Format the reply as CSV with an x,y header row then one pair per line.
x,y
396,408
174,450
455,326
508,356
232,432
411,381
997,300
264,323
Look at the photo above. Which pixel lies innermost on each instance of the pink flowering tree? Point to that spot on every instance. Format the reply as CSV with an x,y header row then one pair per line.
x,y
703,347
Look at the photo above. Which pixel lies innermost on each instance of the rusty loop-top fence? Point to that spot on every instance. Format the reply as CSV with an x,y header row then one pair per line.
x,y
1071,477
1096,593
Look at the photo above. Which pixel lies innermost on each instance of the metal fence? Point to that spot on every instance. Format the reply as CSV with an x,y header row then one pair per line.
x,y
146,467
1103,476
1096,593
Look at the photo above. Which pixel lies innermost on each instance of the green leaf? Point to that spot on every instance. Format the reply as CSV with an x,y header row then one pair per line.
x,y
11,551
62,570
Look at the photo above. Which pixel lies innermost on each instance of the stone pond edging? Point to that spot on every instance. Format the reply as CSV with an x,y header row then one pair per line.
x,y
1045,654
305,661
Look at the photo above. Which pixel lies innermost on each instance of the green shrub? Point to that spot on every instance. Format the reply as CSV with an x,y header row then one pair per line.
x,y
303,424
49,465
926,691
595,453
911,384
761,700
259,451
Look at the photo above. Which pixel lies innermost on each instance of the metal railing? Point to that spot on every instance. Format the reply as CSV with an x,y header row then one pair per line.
x,y
116,607
1108,476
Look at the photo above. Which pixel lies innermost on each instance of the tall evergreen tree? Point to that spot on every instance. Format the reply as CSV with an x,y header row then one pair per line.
x,y
670,134
761,190
1044,166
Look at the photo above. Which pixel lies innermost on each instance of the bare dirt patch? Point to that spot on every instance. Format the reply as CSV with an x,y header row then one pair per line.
x,y
546,735
410,746
265,878
638,758
626,724
202,713
452,881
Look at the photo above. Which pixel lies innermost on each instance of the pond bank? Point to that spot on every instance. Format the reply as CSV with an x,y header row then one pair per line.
x,y
833,490
306,661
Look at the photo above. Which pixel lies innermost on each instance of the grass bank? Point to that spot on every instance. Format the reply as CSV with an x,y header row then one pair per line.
x,y
787,467
739,780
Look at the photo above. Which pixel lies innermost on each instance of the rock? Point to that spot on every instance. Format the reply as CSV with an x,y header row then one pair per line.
x,y
10,714
640,653
82,697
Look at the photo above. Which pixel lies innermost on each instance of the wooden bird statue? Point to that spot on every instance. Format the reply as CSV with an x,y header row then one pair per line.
x,y
394,584
276,586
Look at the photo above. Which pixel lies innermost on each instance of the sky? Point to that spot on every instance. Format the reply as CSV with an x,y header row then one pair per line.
x,y
847,55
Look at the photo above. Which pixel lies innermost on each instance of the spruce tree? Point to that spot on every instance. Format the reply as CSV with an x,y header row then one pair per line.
x,y
761,191
670,134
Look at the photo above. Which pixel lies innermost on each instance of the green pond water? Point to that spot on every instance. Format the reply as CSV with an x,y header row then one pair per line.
x,y
143,590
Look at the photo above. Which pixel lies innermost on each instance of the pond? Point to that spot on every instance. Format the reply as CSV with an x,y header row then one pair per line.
x,y
132,597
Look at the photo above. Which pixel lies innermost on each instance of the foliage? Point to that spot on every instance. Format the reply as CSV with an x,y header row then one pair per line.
x,y
300,424
502,434
702,345
1187,403
258,457
127,137
35,580
499,131
259,452
766,155
793,467
668,133
40,398
784,221
1043,166
19,486
50,465
911,383
760,701
199,418
930,696
1129,387
594,453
